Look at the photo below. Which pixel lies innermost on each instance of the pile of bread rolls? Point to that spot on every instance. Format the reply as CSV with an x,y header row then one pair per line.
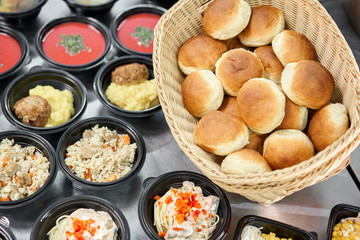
x,y
262,98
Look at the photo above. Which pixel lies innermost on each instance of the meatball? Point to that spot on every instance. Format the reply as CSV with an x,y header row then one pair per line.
x,y
33,110
130,74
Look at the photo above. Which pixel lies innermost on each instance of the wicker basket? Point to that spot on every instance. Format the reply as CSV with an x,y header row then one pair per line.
x,y
184,20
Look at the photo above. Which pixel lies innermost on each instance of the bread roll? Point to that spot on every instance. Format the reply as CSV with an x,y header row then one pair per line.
x,y
307,83
261,105
244,161
221,133
265,23
234,42
200,53
256,142
202,92
295,116
327,125
236,67
229,106
224,19
290,46
285,148
272,66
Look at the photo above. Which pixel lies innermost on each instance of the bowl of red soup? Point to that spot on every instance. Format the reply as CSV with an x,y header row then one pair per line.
x,y
133,29
74,43
13,51
20,12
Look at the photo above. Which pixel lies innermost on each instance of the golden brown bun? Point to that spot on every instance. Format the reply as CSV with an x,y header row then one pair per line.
x,y
236,67
256,142
221,133
285,148
290,46
200,53
272,65
307,83
244,161
224,19
229,106
202,92
265,22
261,105
234,42
295,116
327,125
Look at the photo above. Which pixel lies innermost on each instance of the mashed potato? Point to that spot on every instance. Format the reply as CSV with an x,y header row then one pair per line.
x,y
135,97
61,102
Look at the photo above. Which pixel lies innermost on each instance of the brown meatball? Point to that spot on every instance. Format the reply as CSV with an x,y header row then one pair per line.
x,y
33,110
133,73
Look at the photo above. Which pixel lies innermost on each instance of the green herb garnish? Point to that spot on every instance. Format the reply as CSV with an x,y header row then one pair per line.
x,y
73,44
144,35
1,65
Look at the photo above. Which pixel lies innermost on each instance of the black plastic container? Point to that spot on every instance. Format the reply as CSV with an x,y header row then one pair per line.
x,y
136,9
281,230
160,185
5,232
61,80
74,133
24,45
23,17
47,219
25,138
103,79
339,212
91,10
80,19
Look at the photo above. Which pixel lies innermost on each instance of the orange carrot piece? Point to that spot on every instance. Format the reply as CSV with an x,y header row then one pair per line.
x,y
5,199
5,161
3,183
111,178
157,197
126,139
87,173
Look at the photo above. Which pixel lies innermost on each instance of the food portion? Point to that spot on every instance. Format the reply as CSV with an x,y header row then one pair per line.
x,y
33,110
185,213
101,155
14,6
23,170
91,2
347,228
84,224
136,32
45,107
10,52
73,43
130,88
253,233
270,78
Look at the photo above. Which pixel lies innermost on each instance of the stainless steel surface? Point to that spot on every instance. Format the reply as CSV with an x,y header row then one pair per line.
x,y
308,209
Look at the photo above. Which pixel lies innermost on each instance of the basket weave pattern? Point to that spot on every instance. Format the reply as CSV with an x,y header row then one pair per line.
x,y
184,21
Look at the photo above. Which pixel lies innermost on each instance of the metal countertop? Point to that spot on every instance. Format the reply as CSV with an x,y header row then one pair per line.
x,y
308,209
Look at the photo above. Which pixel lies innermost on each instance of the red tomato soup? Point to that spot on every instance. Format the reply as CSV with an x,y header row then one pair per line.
x,y
10,52
73,43
137,32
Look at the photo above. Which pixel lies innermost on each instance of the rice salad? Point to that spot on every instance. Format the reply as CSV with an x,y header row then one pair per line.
x,y
23,170
101,155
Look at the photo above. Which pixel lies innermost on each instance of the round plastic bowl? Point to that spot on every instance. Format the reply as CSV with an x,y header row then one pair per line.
x,y
121,17
24,46
160,185
74,133
23,17
94,27
25,139
88,9
103,79
19,88
47,219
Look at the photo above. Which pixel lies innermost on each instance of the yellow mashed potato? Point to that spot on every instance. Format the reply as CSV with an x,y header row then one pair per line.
x,y
133,97
61,102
